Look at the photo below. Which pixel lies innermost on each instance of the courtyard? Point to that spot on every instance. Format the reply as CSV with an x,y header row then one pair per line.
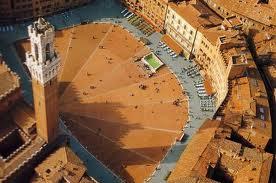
x,y
125,118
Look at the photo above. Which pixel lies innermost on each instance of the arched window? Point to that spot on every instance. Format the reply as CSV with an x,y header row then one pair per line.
x,y
48,55
36,51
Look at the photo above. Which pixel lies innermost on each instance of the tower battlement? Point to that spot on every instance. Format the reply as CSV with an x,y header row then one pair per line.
x,y
41,29
42,60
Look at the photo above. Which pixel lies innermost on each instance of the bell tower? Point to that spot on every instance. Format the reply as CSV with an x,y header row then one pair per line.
x,y
43,64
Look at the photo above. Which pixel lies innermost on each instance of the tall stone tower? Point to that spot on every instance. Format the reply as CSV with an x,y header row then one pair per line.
x,y
43,64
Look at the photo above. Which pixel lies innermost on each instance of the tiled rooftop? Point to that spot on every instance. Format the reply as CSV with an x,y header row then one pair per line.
x,y
8,79
270,72
258,168
214,33
265,45
196,14
241,163
63,164
232,22
193,179
194,150
229,146
242,100
260,12
23,116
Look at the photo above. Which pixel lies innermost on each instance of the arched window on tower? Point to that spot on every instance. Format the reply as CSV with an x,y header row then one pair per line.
x,y
36,51
48,54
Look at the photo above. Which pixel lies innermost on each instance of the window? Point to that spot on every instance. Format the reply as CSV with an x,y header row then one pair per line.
x,y
262,117
36,51
48,51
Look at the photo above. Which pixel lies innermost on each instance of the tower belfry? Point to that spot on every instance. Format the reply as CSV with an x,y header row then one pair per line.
x,y
43,64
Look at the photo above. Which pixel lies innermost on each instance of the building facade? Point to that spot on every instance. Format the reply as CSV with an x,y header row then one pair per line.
x,y
196,29
11,11
184,22
213,65
43,64
209,40
185,33
154,11
222,56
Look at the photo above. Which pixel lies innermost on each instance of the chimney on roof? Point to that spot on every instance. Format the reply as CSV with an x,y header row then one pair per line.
x,y
181,2
222,27
268,36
